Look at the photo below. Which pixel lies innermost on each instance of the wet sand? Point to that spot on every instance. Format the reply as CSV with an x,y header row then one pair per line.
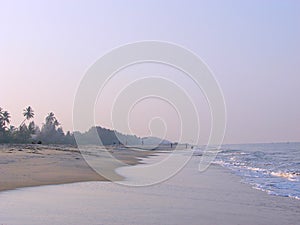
x,y
215,196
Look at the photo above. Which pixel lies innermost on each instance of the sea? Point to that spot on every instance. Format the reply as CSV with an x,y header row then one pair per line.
x,y
271,167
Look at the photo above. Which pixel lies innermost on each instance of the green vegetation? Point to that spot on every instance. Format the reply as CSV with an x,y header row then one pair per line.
x,y
51,132
107,136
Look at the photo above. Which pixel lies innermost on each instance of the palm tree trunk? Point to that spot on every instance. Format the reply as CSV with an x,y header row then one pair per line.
x,y
22,123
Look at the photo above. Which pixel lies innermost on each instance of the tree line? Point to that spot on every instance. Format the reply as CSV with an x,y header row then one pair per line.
x,y
50,133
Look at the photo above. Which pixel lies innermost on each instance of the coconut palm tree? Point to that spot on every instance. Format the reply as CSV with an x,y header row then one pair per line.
x,y
4,118
50,119
28,113
1,119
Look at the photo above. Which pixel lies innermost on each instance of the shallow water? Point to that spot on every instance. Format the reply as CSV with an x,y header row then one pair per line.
x,y
274,167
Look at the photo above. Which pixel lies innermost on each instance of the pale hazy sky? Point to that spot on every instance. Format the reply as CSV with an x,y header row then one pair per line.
x,y
252,47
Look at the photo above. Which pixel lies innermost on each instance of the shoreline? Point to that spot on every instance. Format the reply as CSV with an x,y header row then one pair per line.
x,y
214,196
252,186
239,179
26,165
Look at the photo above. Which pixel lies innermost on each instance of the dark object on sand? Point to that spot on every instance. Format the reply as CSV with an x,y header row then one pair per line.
x,y
39,142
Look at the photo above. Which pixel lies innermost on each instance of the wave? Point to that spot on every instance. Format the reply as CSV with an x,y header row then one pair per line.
x,y
292,176
270,192
264,176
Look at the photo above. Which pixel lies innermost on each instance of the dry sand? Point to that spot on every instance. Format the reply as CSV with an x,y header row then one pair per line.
x,y
35,165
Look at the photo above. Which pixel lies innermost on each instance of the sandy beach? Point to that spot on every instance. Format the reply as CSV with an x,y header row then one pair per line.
x,y
215,196
35,165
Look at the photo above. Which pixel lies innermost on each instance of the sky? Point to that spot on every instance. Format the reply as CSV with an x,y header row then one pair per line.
x,y
252,47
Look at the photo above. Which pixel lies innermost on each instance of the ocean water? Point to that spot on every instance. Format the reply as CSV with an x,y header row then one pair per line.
x,y
273,167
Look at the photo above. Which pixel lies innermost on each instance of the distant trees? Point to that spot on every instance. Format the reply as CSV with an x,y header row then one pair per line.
x,y
32,128
51,132
107,137
28,113
4,121
23,134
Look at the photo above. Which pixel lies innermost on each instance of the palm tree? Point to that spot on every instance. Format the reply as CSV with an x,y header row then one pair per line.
x,y
1,119
4,118
50,119
28,113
